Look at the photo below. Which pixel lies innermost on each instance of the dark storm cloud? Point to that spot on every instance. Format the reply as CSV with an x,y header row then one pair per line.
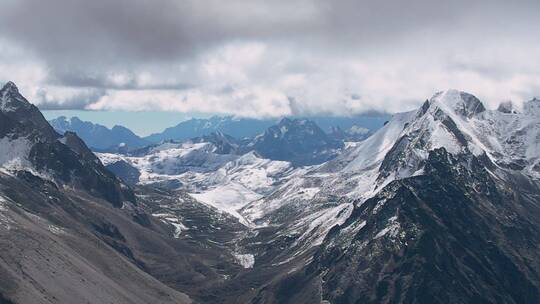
x,y
100,31
105,32
129,81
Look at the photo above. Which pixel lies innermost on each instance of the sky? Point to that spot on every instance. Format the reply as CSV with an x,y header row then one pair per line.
x,y
256,58
142,123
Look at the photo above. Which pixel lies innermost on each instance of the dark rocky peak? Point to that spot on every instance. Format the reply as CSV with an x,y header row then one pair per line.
x,y
10,87
69,161
426,237
11,100
471,105
19,118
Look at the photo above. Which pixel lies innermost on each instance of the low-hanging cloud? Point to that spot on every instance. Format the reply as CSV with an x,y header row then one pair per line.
x,y
267,58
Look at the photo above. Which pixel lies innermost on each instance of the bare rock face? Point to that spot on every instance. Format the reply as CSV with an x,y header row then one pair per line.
x,y
20,118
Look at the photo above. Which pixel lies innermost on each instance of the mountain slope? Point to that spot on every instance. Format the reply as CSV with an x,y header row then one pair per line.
x,y
57,249
431,202
97,136
455,234
225,181
55,246
70,231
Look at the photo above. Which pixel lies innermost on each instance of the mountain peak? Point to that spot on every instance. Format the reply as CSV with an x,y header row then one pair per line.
x,y
11,99
10,87
461,103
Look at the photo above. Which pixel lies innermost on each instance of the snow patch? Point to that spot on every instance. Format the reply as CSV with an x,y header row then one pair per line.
x,y
246,260
228,198
14,153
5,220
178,228
392,228
172,220
55,229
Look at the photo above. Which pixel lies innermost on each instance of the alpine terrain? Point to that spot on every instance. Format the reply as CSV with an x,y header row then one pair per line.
x,y
439,205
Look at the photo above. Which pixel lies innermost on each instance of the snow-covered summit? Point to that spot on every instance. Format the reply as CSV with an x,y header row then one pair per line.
x,y
458,102
458,122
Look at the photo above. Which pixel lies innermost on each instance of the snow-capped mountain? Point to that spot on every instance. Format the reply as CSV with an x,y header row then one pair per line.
x,y
324,194
98,137
440,205
416,186
452,120
168,160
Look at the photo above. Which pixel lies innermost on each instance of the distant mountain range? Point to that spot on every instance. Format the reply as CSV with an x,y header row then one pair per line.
x,y
197,127
98,137
300,141
248,127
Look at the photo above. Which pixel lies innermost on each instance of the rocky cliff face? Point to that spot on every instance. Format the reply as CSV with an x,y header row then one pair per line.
x,y
30,144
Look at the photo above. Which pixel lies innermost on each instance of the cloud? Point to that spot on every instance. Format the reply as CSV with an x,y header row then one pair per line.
x,y
267,58
67,99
